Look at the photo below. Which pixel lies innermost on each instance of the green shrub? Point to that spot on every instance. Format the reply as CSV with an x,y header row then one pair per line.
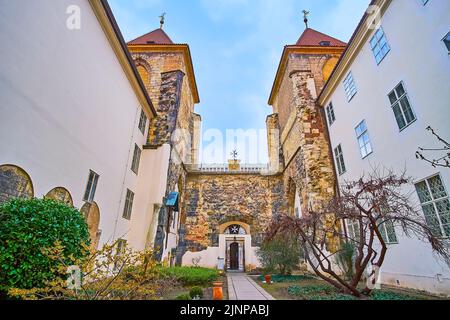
x,y
281,254
190,276
196,292
287,278
183,297
27,227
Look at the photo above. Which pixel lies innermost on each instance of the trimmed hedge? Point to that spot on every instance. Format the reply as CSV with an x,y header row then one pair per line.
x,y
190,276
27,226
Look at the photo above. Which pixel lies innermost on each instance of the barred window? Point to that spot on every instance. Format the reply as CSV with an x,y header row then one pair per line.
x,y
435,205
387,231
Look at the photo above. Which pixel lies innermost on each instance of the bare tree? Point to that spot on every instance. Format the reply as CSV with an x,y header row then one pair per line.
x,y
368,203
443,159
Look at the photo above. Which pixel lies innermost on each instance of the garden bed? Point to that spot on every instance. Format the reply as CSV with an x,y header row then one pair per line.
x,y
308,287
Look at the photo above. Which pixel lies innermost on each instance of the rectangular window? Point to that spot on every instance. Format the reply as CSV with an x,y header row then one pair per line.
x,y
91,187
128,205
339,155
350,87
379,45
387,231
353,229
330,114
447,42
401,107
363,139
435,205
142,122
136,159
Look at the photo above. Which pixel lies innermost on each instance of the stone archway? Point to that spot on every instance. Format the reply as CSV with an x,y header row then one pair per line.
x,y
91,213
236,237
60,194
14,183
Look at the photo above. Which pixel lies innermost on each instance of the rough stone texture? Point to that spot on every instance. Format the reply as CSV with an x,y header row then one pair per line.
x,y
213,199
162,126
60,194
306,152
14,183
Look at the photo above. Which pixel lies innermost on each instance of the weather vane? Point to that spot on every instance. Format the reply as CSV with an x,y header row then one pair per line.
x,y
163,19
234,154
305,16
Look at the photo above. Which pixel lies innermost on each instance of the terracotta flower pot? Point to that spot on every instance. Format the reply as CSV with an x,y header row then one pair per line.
x,y
268,279
217,291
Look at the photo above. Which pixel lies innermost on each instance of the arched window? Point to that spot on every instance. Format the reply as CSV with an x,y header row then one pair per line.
x,y
14,183
91,213
235,229
60,194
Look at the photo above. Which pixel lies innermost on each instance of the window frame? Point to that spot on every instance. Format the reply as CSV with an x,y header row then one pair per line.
x,y
350,86
385,233
142,122
362,135
447,42
377,45
398,101
434,201
128,206
342,168
331,115
136,159
91,187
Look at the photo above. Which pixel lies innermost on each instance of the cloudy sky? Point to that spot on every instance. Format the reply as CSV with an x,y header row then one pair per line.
x,y
236,46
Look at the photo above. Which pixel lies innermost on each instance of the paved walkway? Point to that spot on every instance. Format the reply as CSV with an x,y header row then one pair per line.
x,y
242,287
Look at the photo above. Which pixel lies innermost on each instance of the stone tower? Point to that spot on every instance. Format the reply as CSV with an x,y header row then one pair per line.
x,y
167,71
298,143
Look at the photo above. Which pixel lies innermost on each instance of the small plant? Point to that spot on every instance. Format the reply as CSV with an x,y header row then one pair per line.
x,y
281,254
184,297
196,293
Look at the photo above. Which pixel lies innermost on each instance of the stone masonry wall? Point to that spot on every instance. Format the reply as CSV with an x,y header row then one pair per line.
x,y
212,200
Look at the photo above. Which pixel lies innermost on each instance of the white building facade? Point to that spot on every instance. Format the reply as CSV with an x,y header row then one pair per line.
x,y
393,82
74,115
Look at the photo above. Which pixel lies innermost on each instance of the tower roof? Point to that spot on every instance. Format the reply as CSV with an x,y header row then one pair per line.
x,y
311,37
158,36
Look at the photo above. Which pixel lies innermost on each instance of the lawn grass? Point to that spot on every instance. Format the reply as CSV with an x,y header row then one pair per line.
x,y
311,288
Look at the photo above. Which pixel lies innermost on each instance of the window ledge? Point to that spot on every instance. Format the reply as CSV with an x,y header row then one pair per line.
x,y
407,126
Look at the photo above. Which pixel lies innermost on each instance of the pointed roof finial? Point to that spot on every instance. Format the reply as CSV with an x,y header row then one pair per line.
x,y
305,16
163,19
234,154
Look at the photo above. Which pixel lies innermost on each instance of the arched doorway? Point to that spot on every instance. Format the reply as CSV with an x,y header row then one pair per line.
x,y
236,235
91,213
14,183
